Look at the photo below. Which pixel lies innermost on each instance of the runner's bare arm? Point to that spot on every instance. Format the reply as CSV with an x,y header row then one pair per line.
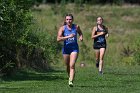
x,y
107,34
80,33
93,36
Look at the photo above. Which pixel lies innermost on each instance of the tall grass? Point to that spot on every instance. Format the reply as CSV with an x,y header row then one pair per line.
x,y
122,21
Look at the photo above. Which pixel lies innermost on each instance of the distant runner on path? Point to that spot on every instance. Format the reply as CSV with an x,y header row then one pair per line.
x,y
99,35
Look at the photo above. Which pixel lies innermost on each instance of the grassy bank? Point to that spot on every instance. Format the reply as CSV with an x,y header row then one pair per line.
x,y
122,21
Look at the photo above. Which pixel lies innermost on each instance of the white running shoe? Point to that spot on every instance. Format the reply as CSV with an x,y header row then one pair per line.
x,y
70,83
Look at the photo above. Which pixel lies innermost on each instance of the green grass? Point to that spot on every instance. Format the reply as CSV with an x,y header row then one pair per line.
x,y
87,80
122,22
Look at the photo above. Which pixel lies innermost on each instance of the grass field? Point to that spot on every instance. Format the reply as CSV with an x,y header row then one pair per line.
x,y
120,75
122,22
87,80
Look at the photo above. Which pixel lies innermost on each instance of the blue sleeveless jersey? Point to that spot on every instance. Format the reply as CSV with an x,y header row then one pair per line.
x,y
67,32
70,44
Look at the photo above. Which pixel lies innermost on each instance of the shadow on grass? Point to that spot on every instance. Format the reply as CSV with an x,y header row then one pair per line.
x,y
123,73
40,76
7,88
99,86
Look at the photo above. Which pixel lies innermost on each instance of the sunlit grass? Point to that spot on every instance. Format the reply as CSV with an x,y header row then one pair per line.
x,y
87,80
122,22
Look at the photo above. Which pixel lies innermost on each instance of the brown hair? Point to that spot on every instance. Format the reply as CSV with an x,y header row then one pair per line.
x,y
66,16
99,17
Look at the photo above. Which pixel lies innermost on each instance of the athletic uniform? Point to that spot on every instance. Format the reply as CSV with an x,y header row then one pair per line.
x,y
100,41
70,44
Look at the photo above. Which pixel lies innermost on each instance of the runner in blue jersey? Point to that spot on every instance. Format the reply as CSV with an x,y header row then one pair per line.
x,y
68,34
99,34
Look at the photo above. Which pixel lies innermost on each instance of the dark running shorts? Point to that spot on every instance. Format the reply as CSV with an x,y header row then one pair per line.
x,y
69,50
98,45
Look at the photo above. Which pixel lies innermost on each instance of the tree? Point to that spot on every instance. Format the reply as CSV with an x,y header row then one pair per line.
x,y
15,19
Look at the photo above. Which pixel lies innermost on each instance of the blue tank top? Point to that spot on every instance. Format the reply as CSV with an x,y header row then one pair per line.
x,y
73,40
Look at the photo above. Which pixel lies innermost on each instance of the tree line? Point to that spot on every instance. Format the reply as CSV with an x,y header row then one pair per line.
x,y
91,1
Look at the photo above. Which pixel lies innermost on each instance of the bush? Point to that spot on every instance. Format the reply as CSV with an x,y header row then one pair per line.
x,y
15,19
21,46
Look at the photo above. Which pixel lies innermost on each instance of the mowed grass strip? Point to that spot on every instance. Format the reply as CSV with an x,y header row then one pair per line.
x,y
87,80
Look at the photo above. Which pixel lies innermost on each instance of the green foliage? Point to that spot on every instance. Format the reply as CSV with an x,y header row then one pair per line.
x,y
49,46
137,57
117,2
78,1
20,46
128,60
127,56
14,21
137,52
83,50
